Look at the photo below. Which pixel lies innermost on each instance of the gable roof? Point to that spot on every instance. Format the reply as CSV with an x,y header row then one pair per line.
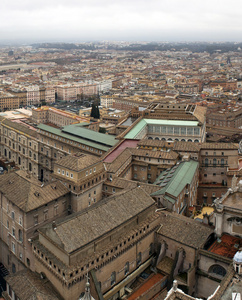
x,y
28,193
183,230
173,181
84,227
77,161
28,285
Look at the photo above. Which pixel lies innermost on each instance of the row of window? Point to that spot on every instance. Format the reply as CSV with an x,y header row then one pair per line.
x,y
215,162
174,130
65,173
67,141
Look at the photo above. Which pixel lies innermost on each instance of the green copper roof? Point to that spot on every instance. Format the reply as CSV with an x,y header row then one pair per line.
x,y
136,130
79,138
144,122
173,181
80,131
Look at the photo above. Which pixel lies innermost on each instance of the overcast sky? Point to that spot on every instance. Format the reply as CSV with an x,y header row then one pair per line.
x,y
131,20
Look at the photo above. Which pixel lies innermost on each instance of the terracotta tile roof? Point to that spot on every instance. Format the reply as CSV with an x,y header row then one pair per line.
x,y
27,193
183,230
123,183
77,161
119,161
155,143
106,215
154,154
28,285
186,146
219,146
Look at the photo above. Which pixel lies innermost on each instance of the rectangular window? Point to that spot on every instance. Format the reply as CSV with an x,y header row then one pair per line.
x,y
13,247
35,220
71,175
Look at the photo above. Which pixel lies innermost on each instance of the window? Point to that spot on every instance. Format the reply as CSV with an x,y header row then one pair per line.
x,y
13,268
67,174
35,220
151,251
20,235
86,173
94,169
13,232
214,162
217,270
63,172
13,247
71,175
126,268
113,278
13,215
90,172
113,190
139,258
206,162
222,162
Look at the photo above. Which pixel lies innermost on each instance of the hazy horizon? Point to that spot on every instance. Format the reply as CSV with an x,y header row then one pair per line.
x,y
156,20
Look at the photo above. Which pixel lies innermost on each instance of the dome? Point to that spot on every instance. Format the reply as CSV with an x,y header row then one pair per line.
x,y
238,257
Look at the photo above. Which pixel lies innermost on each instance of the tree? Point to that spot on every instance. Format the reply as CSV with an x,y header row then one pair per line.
x,y
95,112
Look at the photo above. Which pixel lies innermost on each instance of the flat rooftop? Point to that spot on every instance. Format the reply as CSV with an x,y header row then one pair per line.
x,y
144,122
146,286
234,201
226,246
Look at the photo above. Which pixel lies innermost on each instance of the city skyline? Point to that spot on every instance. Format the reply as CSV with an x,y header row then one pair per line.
x,y
78,21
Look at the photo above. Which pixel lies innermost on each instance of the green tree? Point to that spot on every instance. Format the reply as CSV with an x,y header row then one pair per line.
x,y
95,112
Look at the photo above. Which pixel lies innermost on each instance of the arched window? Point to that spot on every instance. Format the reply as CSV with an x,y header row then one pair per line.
x,y
222,162
217,270
113,278
214,162
30,167
206,162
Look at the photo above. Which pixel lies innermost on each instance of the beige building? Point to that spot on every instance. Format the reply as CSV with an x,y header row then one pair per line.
x,y
26,204
20,145
105,240
60,118
83,175
8,101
